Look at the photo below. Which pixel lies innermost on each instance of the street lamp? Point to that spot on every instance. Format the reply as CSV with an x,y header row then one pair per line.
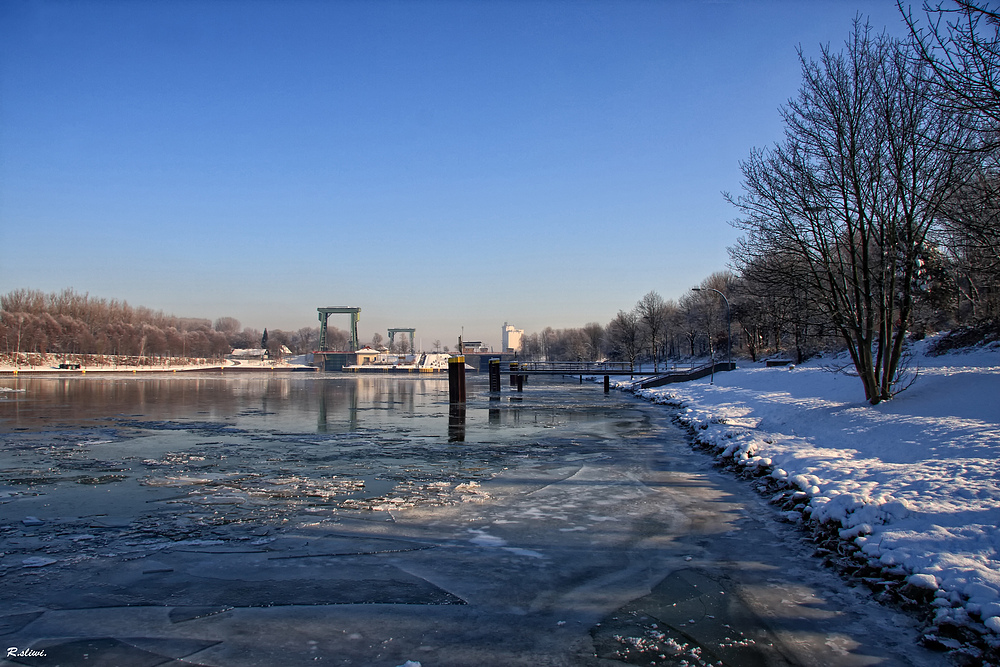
x,y
729,324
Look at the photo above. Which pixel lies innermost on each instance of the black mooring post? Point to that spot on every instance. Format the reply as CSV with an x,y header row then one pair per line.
x,y
513,378
456,423
520,383
607,384
494,375
456,379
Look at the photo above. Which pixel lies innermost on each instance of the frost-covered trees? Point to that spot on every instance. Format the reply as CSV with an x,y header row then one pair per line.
x,y
71,323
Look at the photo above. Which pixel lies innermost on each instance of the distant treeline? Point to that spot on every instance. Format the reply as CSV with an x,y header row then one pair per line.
x,y
71,323
873,219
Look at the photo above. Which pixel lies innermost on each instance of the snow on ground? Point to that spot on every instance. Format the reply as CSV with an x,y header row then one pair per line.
x,y
913,481
49,363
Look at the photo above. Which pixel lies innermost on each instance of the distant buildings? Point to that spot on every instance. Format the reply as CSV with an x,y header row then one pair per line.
x,y
511,339
474,347
238,354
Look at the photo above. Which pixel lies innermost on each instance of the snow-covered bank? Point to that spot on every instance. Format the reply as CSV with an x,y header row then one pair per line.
x,y
60,363
910,485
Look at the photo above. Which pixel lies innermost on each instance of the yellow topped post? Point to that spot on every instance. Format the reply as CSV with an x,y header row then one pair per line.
x,y
456,379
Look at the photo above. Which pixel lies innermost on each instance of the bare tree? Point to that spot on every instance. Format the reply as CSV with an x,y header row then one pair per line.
x,y
531,346
775,302
227,325
959,41
625,335
594,333
337,339
652,313
694,319
853,190
305,339
247,339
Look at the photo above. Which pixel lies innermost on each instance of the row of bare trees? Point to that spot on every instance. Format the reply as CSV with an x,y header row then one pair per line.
x,y
878,209
654,330
70,323
658,329
575,344
877,216
960,44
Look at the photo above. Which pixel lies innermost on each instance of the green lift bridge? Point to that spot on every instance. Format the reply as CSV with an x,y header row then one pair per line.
x,y
324,313
393,332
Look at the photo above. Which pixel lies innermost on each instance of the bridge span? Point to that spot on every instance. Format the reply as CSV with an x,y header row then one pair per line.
x,y
616,368
520,370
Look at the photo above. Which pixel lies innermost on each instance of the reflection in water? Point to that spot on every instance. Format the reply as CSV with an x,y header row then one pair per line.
x,y
456,422
246,487
494,408
293,402
332,403
267,445
270,444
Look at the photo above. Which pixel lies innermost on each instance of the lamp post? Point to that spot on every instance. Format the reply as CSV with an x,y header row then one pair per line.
x,y
729,323
711,351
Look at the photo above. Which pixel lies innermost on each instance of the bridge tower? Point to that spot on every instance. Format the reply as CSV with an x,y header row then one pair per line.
x,y
393,332
324,313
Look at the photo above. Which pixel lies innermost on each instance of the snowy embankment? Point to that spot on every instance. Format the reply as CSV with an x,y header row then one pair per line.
x,y
49,363
909,487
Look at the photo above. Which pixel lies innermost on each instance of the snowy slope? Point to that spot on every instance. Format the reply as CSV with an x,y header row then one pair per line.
x,y
912,482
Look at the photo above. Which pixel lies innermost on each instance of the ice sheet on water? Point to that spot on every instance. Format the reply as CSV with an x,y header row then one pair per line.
x,y
199,479
528,553
483,539
157,425
187,480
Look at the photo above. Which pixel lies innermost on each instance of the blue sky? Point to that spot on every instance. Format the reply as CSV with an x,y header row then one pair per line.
x,y
439,164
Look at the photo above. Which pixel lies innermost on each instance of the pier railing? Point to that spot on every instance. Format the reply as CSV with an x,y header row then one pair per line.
x,y
572,368
611,368
520,370
683,375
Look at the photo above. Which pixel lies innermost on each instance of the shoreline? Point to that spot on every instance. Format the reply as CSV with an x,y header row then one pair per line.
x,y
876,508
49,364
4,372
568,548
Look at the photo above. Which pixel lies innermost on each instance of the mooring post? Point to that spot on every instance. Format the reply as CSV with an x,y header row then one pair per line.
x,y
520,383
456,423
513,377
494,375
456,379
607,384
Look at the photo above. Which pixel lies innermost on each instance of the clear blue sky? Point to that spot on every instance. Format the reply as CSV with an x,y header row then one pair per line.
x,y
439,164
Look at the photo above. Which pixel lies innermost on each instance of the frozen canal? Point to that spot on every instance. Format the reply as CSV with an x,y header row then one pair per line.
x,y
292,519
